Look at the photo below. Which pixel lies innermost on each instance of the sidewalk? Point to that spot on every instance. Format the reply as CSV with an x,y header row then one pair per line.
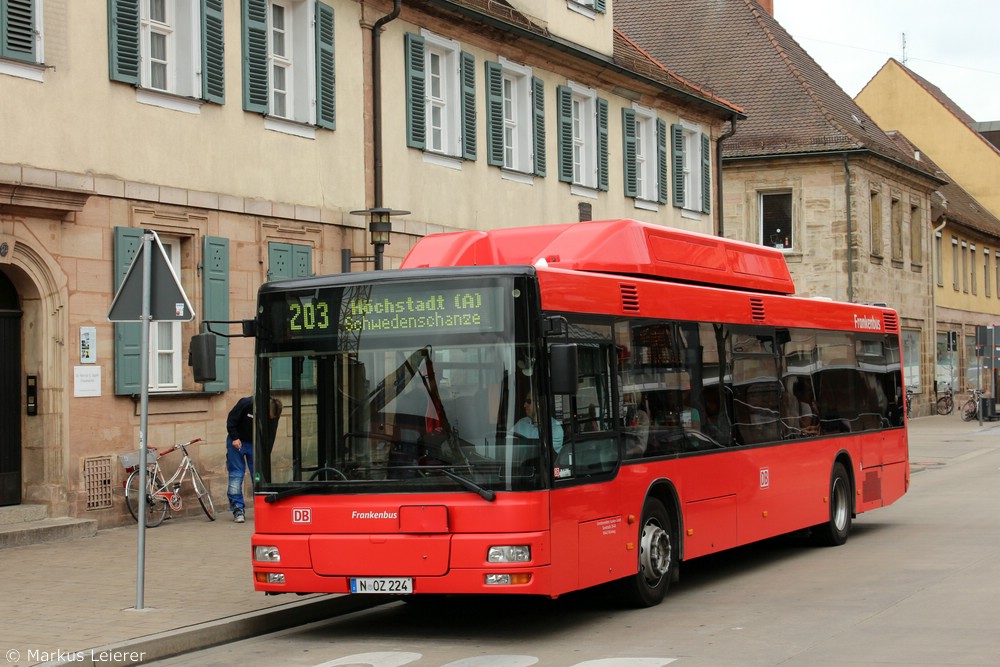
x,y
61,598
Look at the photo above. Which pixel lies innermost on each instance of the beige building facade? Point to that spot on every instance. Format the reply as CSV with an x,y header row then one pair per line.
x,y
899,99
966,228
247,134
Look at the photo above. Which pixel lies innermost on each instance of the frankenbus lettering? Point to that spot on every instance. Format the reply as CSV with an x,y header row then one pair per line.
x,y
867,322
374,515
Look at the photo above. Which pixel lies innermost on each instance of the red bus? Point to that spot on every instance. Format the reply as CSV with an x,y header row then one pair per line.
x,y
544,409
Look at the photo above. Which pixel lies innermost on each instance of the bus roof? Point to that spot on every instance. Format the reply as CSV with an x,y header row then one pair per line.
x,y
627,247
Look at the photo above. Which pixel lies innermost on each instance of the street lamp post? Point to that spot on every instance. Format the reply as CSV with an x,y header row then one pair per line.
x,y
380,228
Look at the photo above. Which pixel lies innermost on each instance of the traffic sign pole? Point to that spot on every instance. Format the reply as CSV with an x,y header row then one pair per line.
x,y
140,566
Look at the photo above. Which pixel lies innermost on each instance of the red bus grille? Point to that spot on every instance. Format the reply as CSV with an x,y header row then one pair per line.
x,y
891,322
757,309
630,298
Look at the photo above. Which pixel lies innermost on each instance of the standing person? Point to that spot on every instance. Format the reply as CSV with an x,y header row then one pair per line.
x,y
239,454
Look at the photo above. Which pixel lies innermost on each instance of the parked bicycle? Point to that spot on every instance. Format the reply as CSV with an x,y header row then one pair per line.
x,y
970,409
946,402
163,495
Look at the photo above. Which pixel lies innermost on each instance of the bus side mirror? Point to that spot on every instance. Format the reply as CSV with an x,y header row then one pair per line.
x,y
564,368
201,357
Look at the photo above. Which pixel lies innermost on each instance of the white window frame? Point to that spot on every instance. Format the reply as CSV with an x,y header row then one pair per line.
x,y
691,133
646,171
297,60
165,342
443,94
517,131
584,7
26,70
182,33
584,105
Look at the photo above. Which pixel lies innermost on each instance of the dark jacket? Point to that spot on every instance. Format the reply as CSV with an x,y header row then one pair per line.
x,y
239,424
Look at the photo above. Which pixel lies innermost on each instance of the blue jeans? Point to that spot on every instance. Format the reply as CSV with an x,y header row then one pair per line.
x,y
238,462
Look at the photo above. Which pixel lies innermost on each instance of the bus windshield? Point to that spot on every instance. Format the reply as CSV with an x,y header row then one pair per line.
x,y
403,386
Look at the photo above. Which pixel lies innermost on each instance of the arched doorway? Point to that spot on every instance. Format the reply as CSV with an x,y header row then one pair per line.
x,y
10,393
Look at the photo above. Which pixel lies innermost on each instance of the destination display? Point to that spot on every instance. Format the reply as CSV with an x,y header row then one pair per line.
x,y
398,308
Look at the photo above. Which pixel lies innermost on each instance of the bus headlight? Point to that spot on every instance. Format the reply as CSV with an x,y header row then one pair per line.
x,y
508,579
512,554
270,577
266,554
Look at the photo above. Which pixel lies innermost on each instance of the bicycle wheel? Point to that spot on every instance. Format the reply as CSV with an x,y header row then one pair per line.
x,y
945,405
204,497
970,410
156,507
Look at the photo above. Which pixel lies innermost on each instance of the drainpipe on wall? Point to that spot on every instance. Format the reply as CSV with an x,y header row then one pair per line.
x,y
850,232
377,98
719,224
937,264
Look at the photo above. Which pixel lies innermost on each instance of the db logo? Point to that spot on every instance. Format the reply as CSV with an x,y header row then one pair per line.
x,y
765,478
301,515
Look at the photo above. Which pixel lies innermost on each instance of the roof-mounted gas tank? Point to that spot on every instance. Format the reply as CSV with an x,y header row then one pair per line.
x,y
625,247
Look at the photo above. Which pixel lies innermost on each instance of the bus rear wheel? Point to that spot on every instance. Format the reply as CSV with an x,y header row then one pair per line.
x,y
835,531
657,558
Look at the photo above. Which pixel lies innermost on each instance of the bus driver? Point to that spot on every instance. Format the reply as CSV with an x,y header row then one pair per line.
x,y
527,426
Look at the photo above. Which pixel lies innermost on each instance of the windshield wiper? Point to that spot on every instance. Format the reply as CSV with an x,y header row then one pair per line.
x,y
487,494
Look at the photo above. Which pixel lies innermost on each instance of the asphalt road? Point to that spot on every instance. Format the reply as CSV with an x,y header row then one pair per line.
x,y
918,583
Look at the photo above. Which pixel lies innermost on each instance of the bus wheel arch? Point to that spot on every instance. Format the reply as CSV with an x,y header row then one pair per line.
x,y
658,550
840,498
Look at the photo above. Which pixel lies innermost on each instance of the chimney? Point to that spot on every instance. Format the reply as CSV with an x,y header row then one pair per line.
x,y
767,6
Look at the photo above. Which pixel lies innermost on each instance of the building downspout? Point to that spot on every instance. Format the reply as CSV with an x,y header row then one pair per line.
x,y
719,224
377,99
934,319
850,232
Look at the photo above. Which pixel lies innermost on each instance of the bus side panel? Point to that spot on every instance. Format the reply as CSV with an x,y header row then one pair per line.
x,y
895,480
710,526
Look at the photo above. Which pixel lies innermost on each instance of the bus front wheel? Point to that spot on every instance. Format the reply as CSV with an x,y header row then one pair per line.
x,y
657,557
834,532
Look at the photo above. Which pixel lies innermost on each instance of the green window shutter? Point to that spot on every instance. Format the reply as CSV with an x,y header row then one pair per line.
x,y
602,144
288,260
128,335
662,189
564,102
416,110
326,91
706,175
494,114
255,85
17,30
123,40
467,75
538,124
629,153
677,158
213,79
215,306
599,6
